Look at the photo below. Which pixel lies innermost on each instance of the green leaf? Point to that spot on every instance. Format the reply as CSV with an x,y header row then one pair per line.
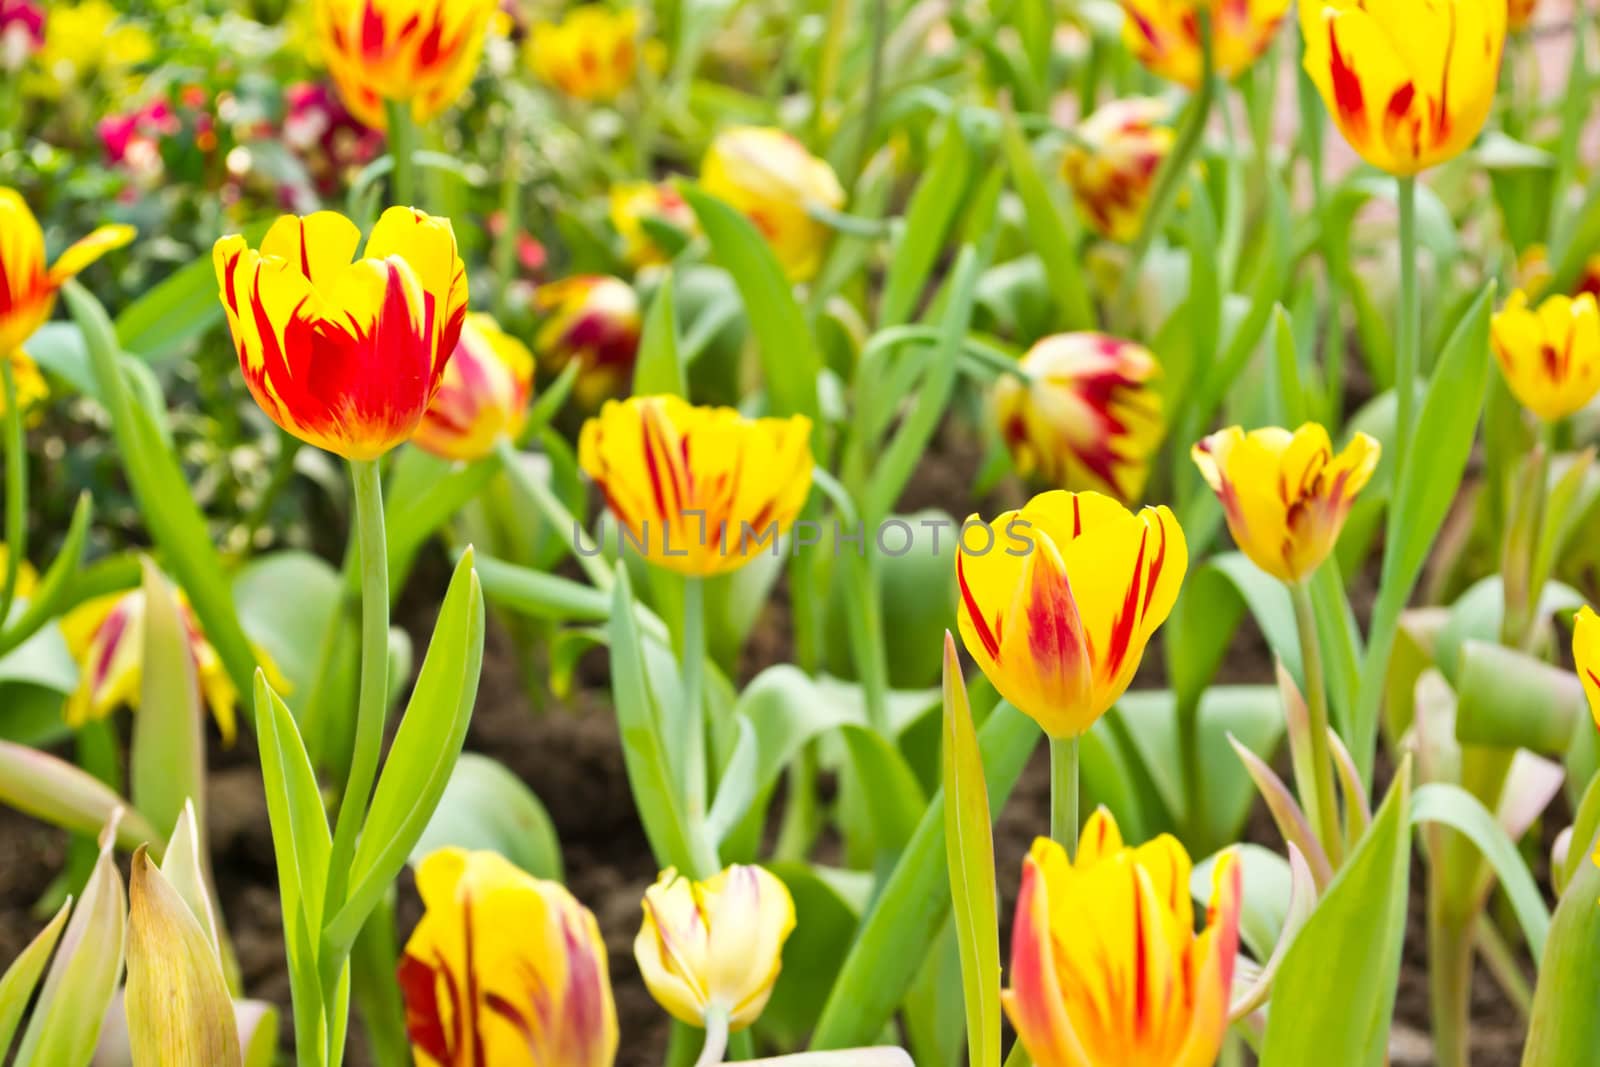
x,y
1508,699
22,977
539,595
933,207
167,758
1054,231
45,787
1564,1027
1347,957
50,595
288,628
887,788
179,310
811,962
658,369
485,806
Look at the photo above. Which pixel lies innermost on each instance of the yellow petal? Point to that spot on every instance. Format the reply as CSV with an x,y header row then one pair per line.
x,y
88,249
1586,653
319,245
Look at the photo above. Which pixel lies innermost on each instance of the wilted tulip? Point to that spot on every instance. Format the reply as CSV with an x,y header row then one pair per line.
x,y
1112,161
417,52
594,319
1550,355
1106,967
484,395
345,356
1165,35
1089,416
632,203
1586,654
27,288
591,54
715,945
698,490
1286,495
1060,598
504,970
770,177
1409,85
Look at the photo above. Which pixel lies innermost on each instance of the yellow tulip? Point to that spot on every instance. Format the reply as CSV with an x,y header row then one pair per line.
x,y
697,490
1586,654
770,177
591,54
1519,13
594,319
1060,598
1286,495
27,286
1089,418
1165,35
1550,355
1112,161
417,52
504,970
631,203
714,945
483,395
1106,968
1408,84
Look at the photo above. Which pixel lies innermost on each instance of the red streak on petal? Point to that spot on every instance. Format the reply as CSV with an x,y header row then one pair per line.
x,y
1122,627
991,644
419,988
1347,89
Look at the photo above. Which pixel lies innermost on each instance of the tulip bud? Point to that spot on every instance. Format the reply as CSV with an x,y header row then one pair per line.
x,y
1165,36
1087,418
1550,355
594,319
769,176
1112,162
589,55
632,203
1286,495
715,945
484,394
27,287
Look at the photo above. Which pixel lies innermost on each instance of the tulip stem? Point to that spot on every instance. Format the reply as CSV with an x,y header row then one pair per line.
x,y
1410,333
716,1038
1064,793
694,720
402,149
16,545
1319,797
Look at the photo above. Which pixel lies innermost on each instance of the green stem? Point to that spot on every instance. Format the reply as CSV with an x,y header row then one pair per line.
x,y
1189,767
716,1038
1450,958
693,655
1410,333
16,490
1064,787
1505,966
553,511
1324,813
402,147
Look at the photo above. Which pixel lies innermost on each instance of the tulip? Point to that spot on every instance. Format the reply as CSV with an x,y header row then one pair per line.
x,y
1519,13
1105,965
591,54
1586,654
1112,162
698,490
634,202
594,319
1087,418
1286,495
1060,598
770,177
504,970
345,356
417,52
714,946
1409,85
484,395
1165,35
27,287
1550,355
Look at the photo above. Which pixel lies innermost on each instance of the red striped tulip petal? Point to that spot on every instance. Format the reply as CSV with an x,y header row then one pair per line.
x,y
27,286
1112,162
1550,354
1586,654
594,319
484,395
631,203
1165,35
591,54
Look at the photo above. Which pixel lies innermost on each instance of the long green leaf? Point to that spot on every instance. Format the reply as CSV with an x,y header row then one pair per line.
x,y
933,207
1565,1027
166,762
658,369
1054,231
49,788
485,806
21,978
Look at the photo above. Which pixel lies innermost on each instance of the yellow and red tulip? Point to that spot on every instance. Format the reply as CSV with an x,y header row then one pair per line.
x,y
1060,598
700,489
1089,415
345,356
1550,355
1409,85
1106,967
417,52
594,319
1586,654
714,945
504,970
1112,162
484,394
591,54
632,203
769,176
27,286
1165,35
1286,495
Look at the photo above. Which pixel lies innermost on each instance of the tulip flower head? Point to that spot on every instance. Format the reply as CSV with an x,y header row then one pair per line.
x,y
1408,84
697,490
27,286
1165,35
345,356
484,395
1112,162
1060,598
504,970
1586,654
1550,355
1106,967
1088,418
1286,495
769,176
591,54
632,203
417,52
714,945
594,319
